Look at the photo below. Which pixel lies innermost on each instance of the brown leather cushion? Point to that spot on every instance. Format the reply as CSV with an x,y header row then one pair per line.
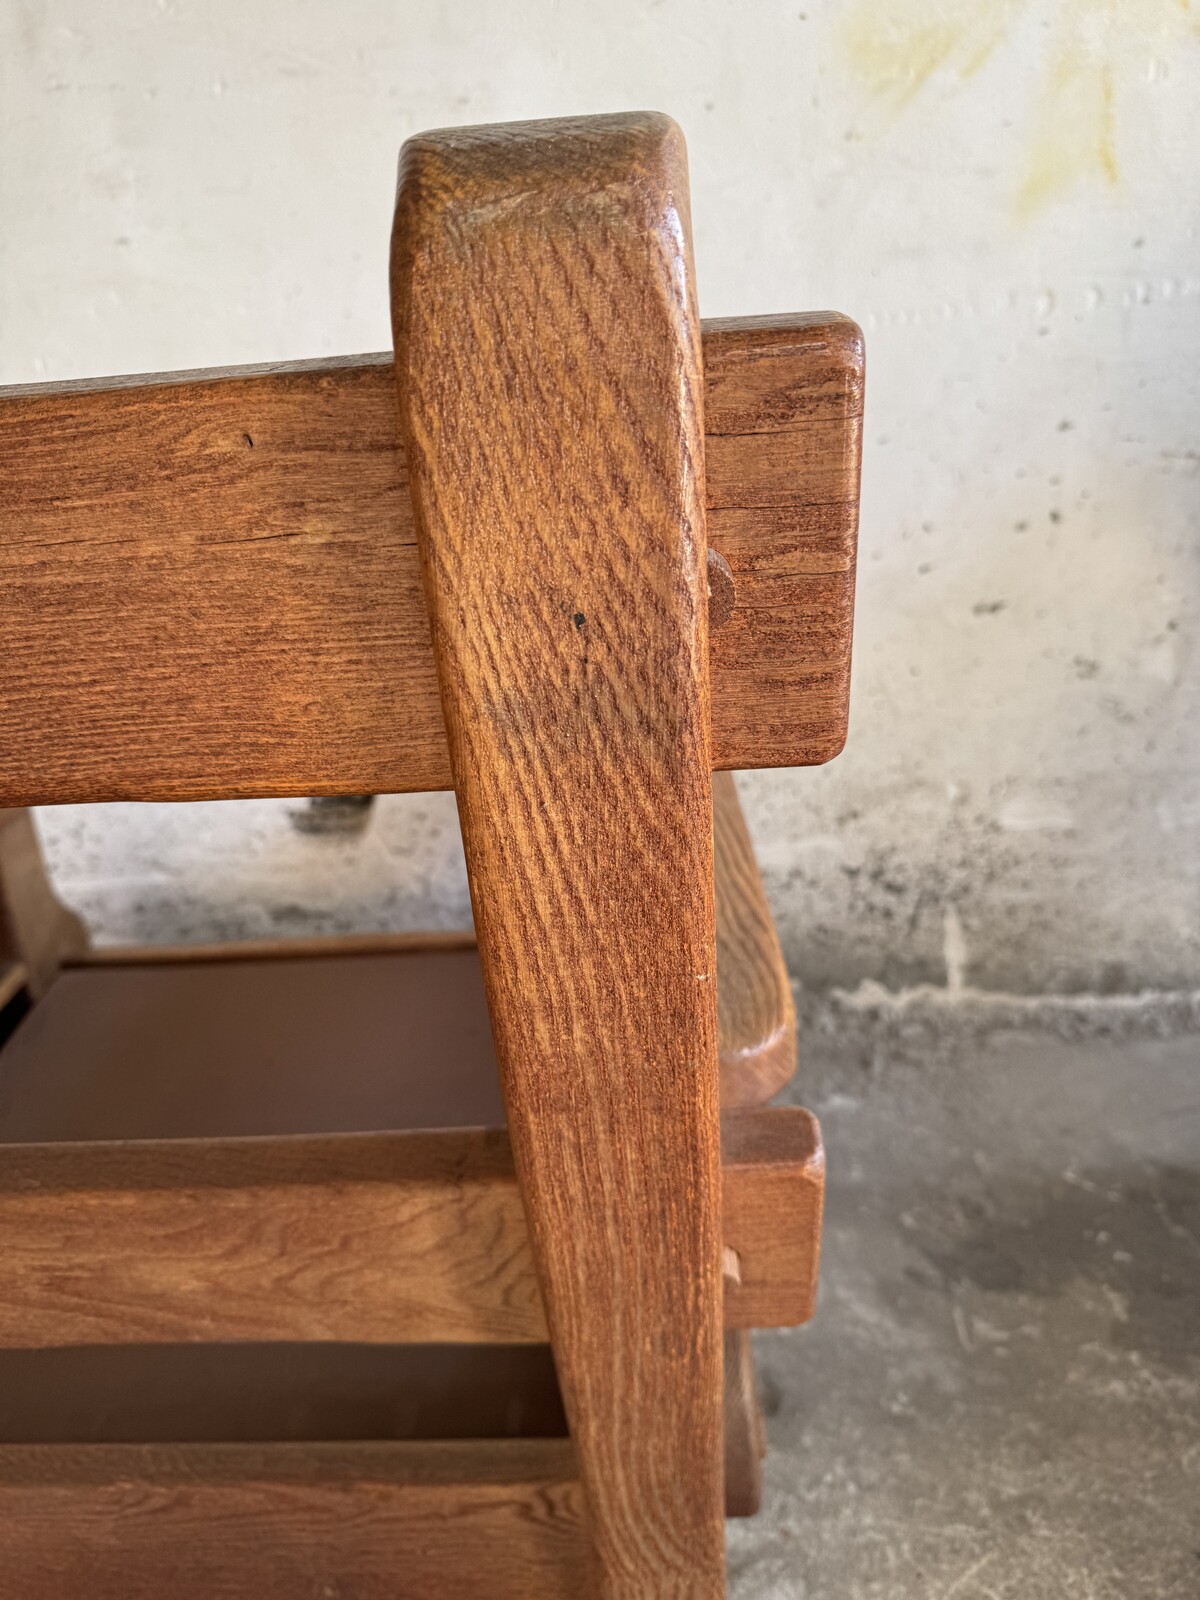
x,y
302,1044
227,1393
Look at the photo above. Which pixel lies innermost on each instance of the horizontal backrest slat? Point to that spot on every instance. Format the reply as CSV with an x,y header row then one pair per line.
x,y
209,583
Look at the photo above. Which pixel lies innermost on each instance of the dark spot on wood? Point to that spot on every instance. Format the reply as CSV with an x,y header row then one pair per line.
x,y
579,619
248,441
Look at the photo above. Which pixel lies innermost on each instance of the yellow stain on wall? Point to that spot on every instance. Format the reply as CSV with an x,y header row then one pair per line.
x,y
897,46
1075,133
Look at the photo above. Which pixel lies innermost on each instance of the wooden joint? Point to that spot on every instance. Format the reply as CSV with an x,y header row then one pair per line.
x,y
338,693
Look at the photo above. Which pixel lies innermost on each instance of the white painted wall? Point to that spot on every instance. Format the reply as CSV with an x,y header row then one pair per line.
x,y
1004,194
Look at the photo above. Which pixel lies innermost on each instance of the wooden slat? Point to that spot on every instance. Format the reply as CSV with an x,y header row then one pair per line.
x,y
375,1238
292,1522
773,1191
209,582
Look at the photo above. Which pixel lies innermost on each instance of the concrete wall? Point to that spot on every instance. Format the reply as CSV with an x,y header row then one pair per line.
x,y
1003,193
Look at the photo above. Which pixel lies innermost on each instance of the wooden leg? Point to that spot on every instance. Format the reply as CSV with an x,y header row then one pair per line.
x,y
37,932
548,361
745,1437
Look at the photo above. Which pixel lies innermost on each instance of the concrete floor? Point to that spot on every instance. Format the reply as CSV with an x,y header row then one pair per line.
x,y
1000,1394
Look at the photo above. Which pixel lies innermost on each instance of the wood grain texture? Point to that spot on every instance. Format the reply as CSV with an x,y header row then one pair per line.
x,y
755,1009
783,399
211,587
292,1522
549,374
37,932
375,1238
788,1190
372,1238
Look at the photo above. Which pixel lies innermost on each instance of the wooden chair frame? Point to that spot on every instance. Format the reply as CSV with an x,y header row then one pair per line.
x,y
517,596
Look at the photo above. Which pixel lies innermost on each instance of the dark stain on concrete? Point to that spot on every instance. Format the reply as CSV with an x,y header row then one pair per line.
x,y
999,1397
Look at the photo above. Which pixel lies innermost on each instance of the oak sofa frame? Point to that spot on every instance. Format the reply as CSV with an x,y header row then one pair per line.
x,y
252,583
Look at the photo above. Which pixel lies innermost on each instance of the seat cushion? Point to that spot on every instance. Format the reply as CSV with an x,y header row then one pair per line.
x,y
292,1044
222,1393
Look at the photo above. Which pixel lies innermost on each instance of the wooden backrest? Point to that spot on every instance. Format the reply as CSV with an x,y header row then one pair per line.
x,y
209,583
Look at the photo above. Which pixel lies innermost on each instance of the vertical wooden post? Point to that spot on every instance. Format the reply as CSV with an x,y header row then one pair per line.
x,y
548,360
37,932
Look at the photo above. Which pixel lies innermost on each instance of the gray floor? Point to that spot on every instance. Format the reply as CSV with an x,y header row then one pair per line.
x,y
1000,1394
